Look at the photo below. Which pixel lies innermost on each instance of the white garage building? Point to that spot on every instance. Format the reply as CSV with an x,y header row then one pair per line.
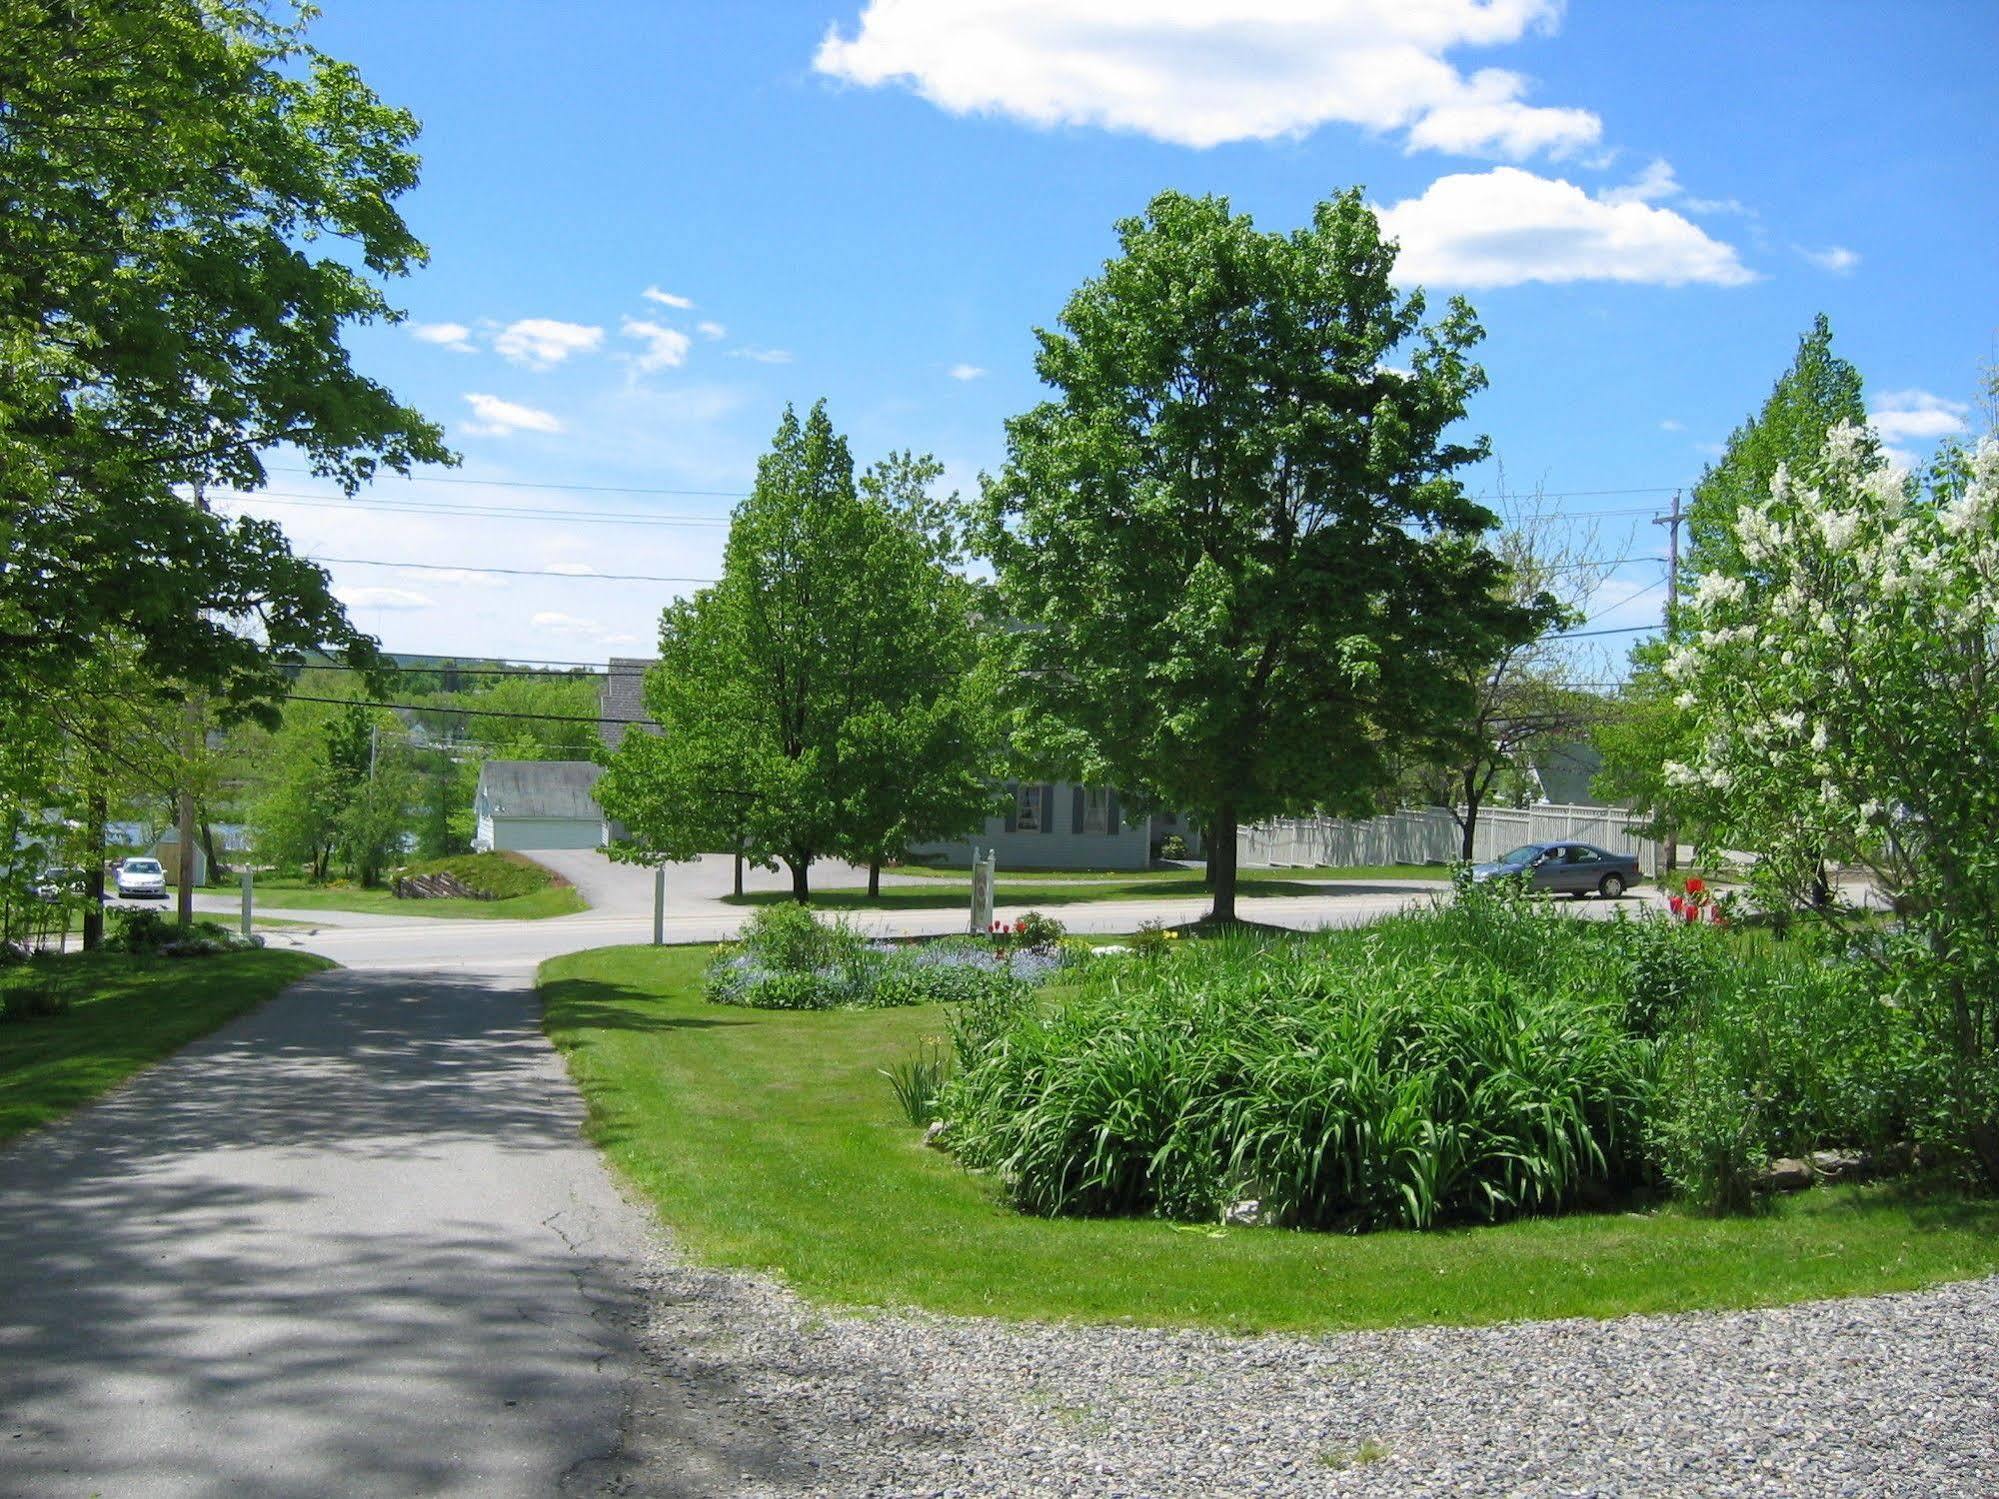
x,y
531,804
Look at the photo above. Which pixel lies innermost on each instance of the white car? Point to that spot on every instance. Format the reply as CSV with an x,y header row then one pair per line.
x,y
141,879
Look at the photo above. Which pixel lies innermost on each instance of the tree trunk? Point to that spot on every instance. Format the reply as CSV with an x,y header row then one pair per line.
x,y
801,888
93,874
1821,888
1221,863
874,879
208,852
1468,824
739,866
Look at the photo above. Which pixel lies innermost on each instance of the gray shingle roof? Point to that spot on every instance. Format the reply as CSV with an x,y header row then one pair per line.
x,y
622,699
539,788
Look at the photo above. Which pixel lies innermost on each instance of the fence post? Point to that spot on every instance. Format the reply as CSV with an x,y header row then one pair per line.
x,y
659,904
249,899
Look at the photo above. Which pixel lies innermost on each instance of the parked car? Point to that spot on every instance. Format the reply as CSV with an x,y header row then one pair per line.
x,y
141,879
1577,869
57,883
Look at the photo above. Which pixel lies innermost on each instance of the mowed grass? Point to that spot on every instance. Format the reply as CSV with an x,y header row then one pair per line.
x,y
1048,890
290,895
769,1141
1171,873
126,1013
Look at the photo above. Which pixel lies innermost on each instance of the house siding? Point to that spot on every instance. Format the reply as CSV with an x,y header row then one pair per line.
x,y
1057,843
525,834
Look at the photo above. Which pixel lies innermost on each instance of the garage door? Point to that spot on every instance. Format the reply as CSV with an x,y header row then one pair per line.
x,y
546,832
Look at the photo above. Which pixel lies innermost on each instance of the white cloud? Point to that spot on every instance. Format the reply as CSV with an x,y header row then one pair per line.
x,y
666,298
762,356
541,343
1194,73
454,336
1672,425
1506,226
1834,258
965,372
463,577
1901,415
383,598
709,329
557,623
665,348
498,418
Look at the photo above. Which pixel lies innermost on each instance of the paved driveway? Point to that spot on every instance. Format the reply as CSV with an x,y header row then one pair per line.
x,y
351,1244
355,1243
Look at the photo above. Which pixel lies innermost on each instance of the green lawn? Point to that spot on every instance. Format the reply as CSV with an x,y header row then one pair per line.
x,y
768,1141
295,895
127,1014
1042,890
1128,876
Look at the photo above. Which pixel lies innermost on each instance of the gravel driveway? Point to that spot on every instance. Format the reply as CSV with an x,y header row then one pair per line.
x,y
1893,1395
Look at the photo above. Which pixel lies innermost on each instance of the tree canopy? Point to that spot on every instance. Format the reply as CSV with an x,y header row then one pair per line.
x,y
1232,547
823,697
194,205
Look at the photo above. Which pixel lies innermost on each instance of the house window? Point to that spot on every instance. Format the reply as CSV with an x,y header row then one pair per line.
x,y
1096,809
1027,809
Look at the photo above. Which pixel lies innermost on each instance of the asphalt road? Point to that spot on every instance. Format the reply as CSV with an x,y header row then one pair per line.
x,y
354,1243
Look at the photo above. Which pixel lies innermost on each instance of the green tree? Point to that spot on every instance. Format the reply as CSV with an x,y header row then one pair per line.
x,y
1232,546
194,205
1845,706
821,699
1647,727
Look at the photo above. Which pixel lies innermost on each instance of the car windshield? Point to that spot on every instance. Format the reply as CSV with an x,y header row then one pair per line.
x,y
1527,853
142,866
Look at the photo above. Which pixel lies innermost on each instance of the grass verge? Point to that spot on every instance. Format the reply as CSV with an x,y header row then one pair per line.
x,y
1171,873
556,900
769,1141
126,1013
1038,890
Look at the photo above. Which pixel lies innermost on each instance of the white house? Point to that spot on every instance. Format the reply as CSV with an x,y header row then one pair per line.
x,y
530,804
1062,825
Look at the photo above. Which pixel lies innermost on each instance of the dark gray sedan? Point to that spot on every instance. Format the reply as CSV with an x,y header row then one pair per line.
x,y
1577,869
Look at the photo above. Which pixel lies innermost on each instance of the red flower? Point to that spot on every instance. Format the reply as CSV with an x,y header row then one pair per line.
x,y
1675,904
1695,884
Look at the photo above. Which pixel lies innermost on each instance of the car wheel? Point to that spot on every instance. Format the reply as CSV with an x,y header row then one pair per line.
x,y
1611,887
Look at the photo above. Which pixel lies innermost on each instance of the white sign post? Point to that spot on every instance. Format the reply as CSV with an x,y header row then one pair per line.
x,y
249,897
982,891
659,904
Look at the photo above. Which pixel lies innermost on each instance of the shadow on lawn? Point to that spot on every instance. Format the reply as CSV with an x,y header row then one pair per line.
x,y
589,1005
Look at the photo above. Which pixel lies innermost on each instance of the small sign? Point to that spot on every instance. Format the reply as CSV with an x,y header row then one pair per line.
x,y
982,891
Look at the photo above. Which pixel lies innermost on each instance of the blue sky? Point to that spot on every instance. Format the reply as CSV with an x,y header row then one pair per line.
x,y
878,202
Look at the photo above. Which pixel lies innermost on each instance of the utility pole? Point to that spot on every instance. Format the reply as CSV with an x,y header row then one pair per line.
x,y
1672,524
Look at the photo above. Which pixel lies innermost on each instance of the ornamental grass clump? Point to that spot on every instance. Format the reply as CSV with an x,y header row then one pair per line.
x,y
1463,1064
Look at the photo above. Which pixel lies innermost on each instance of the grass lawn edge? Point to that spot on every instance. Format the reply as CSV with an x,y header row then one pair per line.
x,y
799,1168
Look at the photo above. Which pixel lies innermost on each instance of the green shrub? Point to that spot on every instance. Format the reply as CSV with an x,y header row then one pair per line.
x,y
1038,933
1401,1074
788,938
1173,846
788,960
151,933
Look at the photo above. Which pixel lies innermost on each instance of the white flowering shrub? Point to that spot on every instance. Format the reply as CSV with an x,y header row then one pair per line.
x,y
1845,688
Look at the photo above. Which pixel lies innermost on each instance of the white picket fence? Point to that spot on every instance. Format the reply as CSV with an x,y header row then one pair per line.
x,y
1430,835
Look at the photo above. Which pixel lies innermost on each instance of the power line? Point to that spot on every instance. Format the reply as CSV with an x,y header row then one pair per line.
x,y
737,494
491,512
530,572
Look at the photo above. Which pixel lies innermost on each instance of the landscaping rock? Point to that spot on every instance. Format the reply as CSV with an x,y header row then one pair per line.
x,y
1842,1165
934,1135
1787,1174
1248,1213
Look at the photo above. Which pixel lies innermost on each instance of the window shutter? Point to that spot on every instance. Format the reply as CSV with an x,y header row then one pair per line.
x,y
1047,808
1111,818
1076,809
1013,806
